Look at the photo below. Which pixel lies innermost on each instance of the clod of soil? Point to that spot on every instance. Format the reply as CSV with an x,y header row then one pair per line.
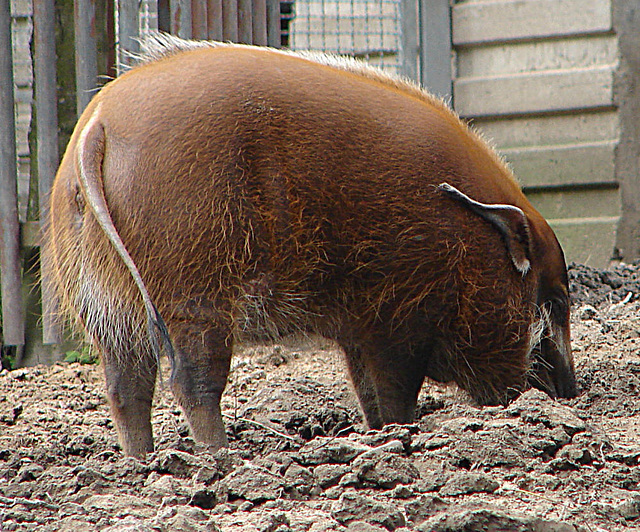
x,y
301,460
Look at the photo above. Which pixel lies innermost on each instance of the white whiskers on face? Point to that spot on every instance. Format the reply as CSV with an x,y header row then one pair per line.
x,y
539,330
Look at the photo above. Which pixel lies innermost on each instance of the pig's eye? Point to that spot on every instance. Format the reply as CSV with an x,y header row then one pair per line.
x,y
558,307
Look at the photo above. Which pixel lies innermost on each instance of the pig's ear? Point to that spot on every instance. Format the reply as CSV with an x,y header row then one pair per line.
x,y
510,222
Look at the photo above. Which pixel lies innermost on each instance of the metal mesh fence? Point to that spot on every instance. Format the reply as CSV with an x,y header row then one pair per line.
x,y
369,29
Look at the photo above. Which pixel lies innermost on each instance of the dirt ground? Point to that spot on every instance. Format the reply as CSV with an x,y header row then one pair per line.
x,y
301,460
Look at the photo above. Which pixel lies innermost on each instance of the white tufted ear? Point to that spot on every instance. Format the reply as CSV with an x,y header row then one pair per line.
x,y
509,220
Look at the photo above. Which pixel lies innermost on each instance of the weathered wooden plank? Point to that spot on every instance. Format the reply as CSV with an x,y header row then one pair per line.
x,y
86,53
128,32
536,93
22,31
245,21
181,18
23,125
550,129
588,241
24,95
21,8
24,179
230,20
164,16
536,56
259,22
435,46
626,20
274,36
30,234
214,19
578,203
410,43
508,20
199,29
10,261
47,134
574,164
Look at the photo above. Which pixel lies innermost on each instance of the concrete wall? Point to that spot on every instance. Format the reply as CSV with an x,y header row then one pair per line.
x,y
541,79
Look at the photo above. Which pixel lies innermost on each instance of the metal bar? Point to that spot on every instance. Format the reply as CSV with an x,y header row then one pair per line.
x,y
44,44
199,28
230,20
10,261
435,46
128,33
273,24
164,16
259,22
409,49
214,20
84,15
181,18
245,21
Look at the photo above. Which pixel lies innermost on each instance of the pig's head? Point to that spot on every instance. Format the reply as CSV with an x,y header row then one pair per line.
x,y
537,256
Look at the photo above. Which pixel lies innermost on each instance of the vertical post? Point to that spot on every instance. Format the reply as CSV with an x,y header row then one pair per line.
x,y
259,14
199,29
181,18
110,38
214,19
245,21
409,49
128,33
164,16
627,153
44,44
435,46
273,23
10,262
84,14
230,20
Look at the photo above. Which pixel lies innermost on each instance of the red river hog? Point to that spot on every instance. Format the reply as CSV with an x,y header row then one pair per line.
x,y
222,193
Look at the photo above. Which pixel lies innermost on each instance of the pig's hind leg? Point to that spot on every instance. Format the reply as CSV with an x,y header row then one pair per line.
x,y
130,380
199,376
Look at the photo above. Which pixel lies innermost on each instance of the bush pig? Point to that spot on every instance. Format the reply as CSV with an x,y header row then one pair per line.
x,y
221,193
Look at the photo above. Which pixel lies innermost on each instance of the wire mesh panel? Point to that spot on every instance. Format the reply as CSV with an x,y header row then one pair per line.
x,y
369,29
148,16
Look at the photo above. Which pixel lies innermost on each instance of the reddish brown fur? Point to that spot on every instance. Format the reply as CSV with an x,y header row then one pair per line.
x,y
261,194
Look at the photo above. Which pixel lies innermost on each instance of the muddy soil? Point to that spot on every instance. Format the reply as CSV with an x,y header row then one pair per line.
x,y
301,460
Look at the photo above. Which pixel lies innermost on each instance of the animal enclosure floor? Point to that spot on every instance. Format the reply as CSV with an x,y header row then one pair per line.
x,y
301,460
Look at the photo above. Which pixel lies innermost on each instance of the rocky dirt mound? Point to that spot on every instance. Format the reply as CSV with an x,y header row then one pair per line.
x,y
300,459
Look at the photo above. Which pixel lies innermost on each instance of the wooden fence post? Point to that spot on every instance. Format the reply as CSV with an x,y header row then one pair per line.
x,y
245,21
273,23
46,134
259,22
230,20
181,24
435,46
199,25
10,260
84,15
214,19
128,33
409,48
